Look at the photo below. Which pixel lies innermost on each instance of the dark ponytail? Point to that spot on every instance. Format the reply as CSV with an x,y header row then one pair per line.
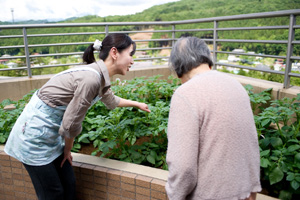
x,y
88,55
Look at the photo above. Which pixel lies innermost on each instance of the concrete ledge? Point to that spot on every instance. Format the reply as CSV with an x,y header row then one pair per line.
x,y
16,88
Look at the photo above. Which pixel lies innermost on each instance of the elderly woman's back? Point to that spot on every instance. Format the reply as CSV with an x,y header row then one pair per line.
x,y
213,149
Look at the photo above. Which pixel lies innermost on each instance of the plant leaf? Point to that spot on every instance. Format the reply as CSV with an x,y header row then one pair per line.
x,y
265,153
264,162
151,159
295,185
276,176
293,147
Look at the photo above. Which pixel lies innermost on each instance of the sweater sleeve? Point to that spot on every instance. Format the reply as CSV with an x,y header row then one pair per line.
x,y
183,149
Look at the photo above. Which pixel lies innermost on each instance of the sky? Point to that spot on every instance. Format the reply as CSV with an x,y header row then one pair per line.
x,y
55,10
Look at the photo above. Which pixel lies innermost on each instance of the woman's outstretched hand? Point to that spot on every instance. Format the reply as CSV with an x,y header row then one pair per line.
x,y
129,103
143,106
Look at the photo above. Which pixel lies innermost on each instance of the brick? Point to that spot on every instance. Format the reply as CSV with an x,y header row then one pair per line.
x,y
114,175
100,172
2,196
128,187
100,194
27,179
20,194
31,197
18,183
89,185
87,191
9,192
16,164
112,183
114,197
4,156
158,185
87,169
112,190
102,181
8,187
102,188
143,181
5,163
7,181
7,175
30,190
141,197
158,195
17,177
16,170
128,194
6,169
19,188
13,159
128,177
85,177
142,191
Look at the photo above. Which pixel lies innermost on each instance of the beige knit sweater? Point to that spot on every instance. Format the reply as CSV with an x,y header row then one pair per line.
x,y
213,150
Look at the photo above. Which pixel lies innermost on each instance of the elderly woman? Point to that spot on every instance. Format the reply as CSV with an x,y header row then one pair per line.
x,y
213,150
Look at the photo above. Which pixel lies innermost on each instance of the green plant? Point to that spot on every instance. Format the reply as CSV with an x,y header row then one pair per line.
x,y
117,133
9,117
279,139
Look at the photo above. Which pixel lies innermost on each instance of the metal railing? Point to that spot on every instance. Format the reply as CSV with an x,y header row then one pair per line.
x,y
214,30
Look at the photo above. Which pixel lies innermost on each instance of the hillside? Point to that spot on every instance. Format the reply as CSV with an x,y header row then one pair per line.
x,y
180,10
193,9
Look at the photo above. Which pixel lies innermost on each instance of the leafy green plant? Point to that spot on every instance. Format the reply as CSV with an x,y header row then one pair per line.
x,y
117,133
279,139
130,135
9,117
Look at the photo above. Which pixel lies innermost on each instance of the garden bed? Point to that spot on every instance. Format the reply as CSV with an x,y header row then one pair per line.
x,y
130,135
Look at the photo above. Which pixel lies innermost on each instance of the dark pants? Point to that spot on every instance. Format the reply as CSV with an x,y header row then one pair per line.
x,y
51,182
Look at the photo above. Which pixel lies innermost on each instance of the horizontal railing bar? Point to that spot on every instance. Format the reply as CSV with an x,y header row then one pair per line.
x,y
295,42
295,57
249,54
296,26
252,28
222,18
157,48
250,68
65,34
10,47
154,31
11,36
153,58
56,54
254,41
294,74
12,57
193,30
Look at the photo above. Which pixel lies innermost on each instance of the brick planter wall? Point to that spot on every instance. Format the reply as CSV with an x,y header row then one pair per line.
x,y
93,182
96,178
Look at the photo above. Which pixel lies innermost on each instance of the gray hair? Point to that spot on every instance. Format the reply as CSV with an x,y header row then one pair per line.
x,y
189,53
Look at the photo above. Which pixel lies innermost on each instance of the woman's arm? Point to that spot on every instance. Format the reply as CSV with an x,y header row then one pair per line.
x,y
129,103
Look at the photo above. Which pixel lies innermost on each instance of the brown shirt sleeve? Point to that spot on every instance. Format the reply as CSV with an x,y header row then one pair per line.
x,y
76,90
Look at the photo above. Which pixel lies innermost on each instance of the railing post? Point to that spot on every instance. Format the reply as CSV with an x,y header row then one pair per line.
x,y
173,34
106,30
288,63
27,52
215,46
